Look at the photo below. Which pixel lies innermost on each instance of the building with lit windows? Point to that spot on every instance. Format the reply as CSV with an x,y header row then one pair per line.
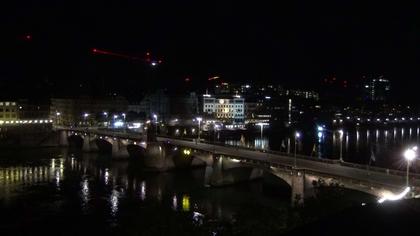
x,y
377,89
83,110
8,110
226,109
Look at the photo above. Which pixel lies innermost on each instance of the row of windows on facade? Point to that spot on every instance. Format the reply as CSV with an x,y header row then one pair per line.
x,y
7,104
218,105
223,111
228,115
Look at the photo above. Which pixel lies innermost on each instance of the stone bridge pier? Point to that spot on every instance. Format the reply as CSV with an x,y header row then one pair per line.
x,y
89,143
118,147
164,156
221,171
301,186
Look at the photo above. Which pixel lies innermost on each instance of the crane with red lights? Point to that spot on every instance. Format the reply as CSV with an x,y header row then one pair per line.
x,y
147,59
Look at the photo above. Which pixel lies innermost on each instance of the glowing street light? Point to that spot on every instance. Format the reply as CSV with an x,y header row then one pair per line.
x,y
409,155
156,121
199,119
297,136
57,115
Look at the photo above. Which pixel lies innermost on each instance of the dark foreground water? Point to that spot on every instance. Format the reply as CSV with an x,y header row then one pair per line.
x,y
61,192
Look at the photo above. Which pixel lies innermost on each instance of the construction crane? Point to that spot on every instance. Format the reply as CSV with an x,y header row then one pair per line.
x,y
148,59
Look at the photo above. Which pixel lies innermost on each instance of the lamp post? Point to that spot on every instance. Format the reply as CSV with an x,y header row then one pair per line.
x,y
85,116
156,122
199,119
341,132
297,136
409,155
57,114
106,118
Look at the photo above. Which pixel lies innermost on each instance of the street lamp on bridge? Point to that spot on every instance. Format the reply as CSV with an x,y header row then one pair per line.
x,y
409,155
57,115
199,119
297,136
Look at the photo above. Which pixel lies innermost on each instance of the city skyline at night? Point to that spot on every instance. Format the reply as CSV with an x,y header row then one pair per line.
x,y
51,44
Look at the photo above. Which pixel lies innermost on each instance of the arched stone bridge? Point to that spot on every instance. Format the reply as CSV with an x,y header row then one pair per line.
x,y
228,165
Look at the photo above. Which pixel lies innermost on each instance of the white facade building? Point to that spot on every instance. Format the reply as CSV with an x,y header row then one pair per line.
x,y
229,110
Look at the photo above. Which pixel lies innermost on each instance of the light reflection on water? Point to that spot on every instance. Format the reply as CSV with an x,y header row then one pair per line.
x,y
113,182
89,186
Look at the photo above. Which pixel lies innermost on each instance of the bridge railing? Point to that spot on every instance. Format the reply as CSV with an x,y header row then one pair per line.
x,y
304,157
380,169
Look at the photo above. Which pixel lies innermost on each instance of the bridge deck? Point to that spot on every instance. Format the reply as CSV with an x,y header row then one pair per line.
x,y
377,176
334,169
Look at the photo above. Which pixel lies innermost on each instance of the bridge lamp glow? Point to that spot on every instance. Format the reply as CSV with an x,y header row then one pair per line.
x,y
409,155
105,113
85,115
297,135
57,113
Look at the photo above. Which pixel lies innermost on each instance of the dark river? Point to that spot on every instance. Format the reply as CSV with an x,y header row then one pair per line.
x,y
65,192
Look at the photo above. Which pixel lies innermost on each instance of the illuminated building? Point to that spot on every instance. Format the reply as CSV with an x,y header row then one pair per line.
x,y
377,89
8,110
226,109
71,110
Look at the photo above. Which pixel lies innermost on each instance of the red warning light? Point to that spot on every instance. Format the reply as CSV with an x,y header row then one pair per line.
x,y
187,79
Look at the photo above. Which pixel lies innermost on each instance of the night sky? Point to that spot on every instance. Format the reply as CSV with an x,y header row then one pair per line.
x,y
294,43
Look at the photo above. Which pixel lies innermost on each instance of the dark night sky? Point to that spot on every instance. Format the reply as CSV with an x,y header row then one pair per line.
x,y
290,42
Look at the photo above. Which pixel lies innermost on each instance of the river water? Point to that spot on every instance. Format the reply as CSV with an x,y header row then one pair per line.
x,y
65,192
